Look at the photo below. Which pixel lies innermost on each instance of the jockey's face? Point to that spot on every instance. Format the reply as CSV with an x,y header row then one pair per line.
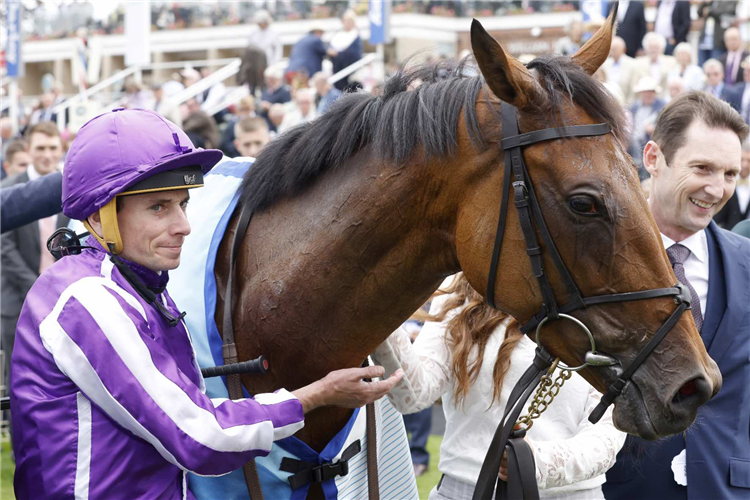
x,y
153,227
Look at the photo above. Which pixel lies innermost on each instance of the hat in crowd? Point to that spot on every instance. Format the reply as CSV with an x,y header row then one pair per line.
x,y
262,16
190,72
125,152
646,84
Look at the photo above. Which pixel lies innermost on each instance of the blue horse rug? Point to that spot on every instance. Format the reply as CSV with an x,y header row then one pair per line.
x,y
209,211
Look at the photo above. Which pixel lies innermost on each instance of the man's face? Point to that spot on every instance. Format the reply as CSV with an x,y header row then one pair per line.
x,y
251,143
647,97
714,75
46,152
272,82
653,50
321,86
732,39
304,103
18,164
153,227
683,57
701,178
617,49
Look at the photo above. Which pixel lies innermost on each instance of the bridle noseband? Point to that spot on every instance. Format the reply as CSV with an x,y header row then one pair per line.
x,y
516,177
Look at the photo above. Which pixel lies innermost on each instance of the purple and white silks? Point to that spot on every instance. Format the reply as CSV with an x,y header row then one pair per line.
x,y
107,398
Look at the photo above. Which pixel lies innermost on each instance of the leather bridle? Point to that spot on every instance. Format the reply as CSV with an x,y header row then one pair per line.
x,y
516,177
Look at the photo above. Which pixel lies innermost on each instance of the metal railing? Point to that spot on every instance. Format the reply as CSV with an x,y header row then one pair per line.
x,y
369,58
137,72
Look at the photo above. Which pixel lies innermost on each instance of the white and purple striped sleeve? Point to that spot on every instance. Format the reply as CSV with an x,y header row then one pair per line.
x,y
98,337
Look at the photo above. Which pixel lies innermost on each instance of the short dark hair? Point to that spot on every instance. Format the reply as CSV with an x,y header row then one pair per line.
x,y
15,147
250,125
681,112
47,128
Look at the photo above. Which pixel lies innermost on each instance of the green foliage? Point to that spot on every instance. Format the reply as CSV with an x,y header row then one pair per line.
x,y
427,481
6,471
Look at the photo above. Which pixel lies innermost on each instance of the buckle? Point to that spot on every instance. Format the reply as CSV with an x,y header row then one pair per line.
x,y
684,297
520,185
324,472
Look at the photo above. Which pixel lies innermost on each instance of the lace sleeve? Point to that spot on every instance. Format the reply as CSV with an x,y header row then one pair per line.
x,y
589,453
425,365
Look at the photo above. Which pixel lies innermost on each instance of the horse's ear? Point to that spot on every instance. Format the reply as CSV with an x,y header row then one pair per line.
x,y
507,77
594,52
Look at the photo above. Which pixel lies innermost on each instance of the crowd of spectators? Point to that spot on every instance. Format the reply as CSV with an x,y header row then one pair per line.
x,y
58,19
664,65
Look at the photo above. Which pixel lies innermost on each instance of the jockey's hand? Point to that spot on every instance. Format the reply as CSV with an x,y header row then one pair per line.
x,y
346,388
503,473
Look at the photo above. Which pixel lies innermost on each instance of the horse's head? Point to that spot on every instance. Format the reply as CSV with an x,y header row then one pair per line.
x,y
591,200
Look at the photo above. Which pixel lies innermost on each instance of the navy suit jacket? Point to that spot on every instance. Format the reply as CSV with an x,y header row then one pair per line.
x,y
308,55
29,201
718,443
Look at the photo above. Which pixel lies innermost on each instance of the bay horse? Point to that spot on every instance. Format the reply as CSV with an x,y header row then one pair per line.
x,y
361,214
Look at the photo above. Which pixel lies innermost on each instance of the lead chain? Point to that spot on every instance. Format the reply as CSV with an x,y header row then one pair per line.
x,y
545,394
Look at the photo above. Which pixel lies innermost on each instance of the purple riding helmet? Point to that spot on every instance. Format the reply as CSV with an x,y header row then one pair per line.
x,y
125,152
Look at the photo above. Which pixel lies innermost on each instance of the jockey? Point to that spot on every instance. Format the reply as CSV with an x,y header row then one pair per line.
x,y
107,398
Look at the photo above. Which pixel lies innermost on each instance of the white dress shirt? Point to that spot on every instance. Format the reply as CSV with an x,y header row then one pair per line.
x,y
663,23
743,196
696,265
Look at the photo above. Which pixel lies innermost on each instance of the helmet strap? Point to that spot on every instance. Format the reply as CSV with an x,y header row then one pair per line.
x,y
110,239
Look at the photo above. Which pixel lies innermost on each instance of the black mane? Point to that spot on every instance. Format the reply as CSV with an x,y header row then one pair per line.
x,y
399,120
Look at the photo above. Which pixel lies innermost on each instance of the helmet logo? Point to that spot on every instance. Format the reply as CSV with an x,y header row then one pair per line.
x,y
189,179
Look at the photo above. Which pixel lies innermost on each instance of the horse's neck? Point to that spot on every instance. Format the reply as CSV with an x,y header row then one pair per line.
x,y
360,253
330,273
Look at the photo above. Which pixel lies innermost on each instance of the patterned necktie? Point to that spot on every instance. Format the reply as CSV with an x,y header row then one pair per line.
x,y
678,254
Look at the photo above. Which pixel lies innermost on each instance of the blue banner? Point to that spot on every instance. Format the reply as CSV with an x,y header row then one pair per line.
x,y
13,48
379,13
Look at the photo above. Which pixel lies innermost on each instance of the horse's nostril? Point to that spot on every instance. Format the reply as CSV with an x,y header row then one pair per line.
x,y
688,389
691,395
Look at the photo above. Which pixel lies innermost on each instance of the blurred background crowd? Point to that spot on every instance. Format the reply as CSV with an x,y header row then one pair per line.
x,y
234,75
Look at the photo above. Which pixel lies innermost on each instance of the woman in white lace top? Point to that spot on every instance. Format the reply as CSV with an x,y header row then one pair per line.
x,y
467,360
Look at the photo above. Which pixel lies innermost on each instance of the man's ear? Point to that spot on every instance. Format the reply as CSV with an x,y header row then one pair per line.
x,y
95,221
651,154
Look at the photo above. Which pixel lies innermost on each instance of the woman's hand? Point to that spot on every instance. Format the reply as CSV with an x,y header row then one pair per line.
x,y
346,388
503,473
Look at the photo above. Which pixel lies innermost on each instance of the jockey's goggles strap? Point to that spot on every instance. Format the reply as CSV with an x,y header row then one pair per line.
x,y
110,237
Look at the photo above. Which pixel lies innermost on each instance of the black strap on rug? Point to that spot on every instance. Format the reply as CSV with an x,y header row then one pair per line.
x,y
304,473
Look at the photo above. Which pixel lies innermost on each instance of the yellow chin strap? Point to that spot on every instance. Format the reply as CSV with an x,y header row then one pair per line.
x,y
111,239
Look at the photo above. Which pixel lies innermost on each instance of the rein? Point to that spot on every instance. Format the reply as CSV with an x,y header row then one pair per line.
x,y
509,434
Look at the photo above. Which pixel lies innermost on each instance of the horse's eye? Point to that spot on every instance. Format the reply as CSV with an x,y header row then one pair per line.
x,y
583,205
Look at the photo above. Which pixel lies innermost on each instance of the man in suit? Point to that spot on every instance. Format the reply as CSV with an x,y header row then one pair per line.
x,y
672,22
24,253
733,58
694,160
631,25
655,63
620,69
715,83
737,208
740,93
717,16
